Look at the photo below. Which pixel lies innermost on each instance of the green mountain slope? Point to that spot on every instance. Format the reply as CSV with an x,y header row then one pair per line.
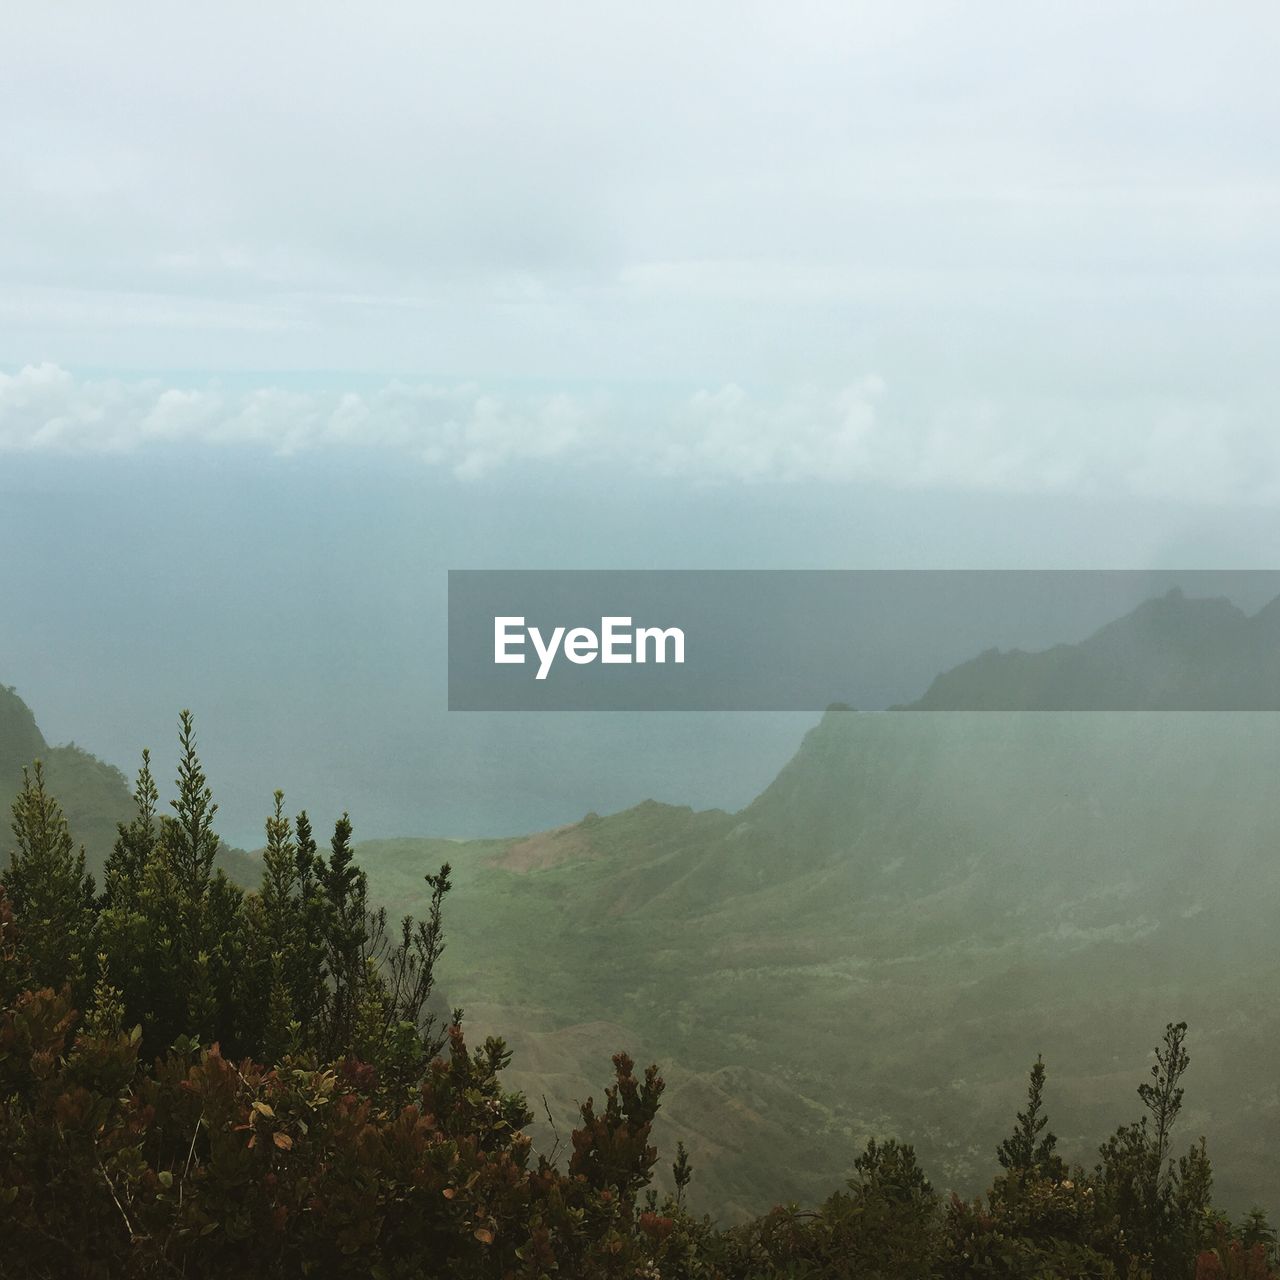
x,y
886,937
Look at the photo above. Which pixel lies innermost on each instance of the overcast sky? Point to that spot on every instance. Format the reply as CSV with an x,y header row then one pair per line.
x,y
1024,248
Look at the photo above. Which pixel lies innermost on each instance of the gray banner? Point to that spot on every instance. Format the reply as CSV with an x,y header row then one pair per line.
x,y
797,640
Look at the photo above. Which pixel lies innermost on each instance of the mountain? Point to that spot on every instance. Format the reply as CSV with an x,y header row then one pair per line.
x,y
95,796
887,936
1171,653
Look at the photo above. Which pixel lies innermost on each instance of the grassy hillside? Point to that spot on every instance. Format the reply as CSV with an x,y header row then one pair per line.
x,y
880,941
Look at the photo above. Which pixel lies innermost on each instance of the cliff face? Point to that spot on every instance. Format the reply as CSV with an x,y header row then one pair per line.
x,y
21,741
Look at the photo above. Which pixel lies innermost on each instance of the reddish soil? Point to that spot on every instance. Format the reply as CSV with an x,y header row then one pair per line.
x,y
546,849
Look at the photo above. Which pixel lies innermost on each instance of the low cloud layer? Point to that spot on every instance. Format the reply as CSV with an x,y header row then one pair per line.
x,y
863,432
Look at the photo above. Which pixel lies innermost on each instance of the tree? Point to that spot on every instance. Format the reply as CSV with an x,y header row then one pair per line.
x,y
346,900
122,926
173,929
279,881
409,964
189,838
135,843
306,971
51,893
1025,1152
1162,1096
1163,1204
274,932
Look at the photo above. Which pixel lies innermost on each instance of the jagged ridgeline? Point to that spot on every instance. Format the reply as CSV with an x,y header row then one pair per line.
x,y
1173,653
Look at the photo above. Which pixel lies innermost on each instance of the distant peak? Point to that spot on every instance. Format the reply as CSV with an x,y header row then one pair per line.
x,y
1171,652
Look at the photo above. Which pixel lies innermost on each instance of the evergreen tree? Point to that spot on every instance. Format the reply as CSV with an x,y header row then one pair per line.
x,y
306,969
135,843
200,1022
273,932
173,929
681,1173
51,893
1257,1232
123,928
1164,1204
188,845
370,1030
1162,1096
158,987
346,934
105,1016
189,838
15,968
279,882
231,1021
1025,1151
279,1031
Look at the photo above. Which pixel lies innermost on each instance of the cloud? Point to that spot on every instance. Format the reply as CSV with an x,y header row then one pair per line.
x,y
43,408
861,433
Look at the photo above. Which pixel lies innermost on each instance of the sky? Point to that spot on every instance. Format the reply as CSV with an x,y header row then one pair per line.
x,y
922,244
712,284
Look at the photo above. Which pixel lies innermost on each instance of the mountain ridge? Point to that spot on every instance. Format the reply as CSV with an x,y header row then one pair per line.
x,y
1171,653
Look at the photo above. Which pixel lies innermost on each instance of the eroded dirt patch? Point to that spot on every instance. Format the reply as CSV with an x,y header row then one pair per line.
x,y
544,850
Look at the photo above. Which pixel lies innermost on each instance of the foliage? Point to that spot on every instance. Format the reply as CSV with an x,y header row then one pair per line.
x,y
302,964
50,888
1025,1153
202,1166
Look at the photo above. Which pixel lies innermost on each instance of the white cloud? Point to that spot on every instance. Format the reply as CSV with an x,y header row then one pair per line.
x,y
460,428
1179,450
